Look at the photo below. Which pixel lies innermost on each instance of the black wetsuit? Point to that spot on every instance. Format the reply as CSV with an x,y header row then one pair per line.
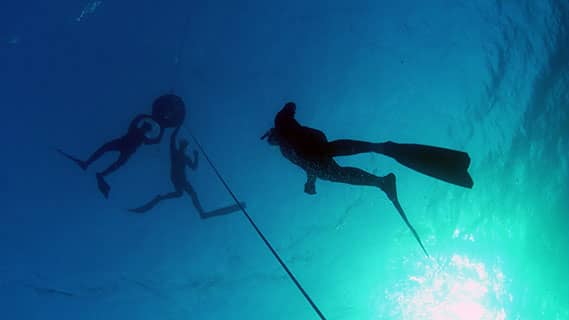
x,y
309,149
125,145
178,163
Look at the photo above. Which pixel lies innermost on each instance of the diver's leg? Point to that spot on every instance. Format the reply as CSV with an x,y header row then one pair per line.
x,y
310,185
355,176
346,147
172,195
123,158
113,145
152,203
102,184
193,194
214,213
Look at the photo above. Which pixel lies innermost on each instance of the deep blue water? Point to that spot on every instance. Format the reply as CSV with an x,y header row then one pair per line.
x,y
487,77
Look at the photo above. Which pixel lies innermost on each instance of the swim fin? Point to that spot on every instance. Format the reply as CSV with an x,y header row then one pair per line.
x,y
151,204
404,216
224,210
390,189
103,185
79,162
440,163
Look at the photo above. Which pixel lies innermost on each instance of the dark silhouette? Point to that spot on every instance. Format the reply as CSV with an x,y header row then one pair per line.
x,y
309,149
125,145
178,163
168,111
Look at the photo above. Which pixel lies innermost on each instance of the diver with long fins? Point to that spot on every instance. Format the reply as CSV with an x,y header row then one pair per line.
x,y
309,149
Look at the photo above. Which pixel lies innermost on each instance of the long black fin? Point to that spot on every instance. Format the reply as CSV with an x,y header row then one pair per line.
x,y
404,216
72,158
440,163
224,210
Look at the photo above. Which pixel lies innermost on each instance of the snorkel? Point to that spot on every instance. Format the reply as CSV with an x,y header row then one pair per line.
x,y
271,137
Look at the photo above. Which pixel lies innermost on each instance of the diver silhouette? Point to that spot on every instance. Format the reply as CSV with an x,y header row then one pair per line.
x,y
125,145
178,163
168,111
309,149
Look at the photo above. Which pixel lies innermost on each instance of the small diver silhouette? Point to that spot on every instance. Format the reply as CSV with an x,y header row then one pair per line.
x,y
309,149
178,163
168,111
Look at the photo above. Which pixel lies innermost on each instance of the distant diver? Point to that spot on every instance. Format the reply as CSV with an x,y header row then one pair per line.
x,y
178,162
309,149
167,111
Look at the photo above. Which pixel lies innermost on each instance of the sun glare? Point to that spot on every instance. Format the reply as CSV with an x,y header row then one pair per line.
x,y
456,289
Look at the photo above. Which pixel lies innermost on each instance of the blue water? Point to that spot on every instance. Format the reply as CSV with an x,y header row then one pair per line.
x,y
487,77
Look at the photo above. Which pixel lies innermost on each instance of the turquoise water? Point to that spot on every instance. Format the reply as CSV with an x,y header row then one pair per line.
x,y
487,77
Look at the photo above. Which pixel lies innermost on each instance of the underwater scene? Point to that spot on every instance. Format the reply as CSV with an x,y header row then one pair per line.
x,y
293,160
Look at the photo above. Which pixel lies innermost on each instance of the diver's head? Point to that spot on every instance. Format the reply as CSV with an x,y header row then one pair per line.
x,y
169,110
272,137
289,109
183,144
285,116
168,103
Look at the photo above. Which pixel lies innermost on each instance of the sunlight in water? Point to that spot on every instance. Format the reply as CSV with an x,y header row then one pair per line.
x,y
457,289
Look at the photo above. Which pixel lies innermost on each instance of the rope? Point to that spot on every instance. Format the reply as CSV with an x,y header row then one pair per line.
x,y
179,51
259,232
178,64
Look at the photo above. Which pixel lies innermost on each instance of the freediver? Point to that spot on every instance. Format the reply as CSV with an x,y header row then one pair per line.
x,y
309,149
178,163
168,111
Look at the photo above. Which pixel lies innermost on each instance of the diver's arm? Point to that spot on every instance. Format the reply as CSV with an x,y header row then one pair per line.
x,y
157,139
136,121
310,185
192,164
173,137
